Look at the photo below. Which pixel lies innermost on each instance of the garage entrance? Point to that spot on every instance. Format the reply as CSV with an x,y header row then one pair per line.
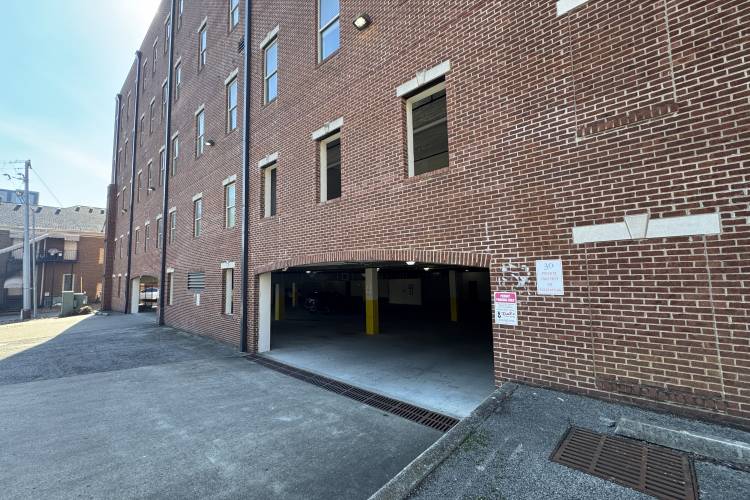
x,y
145,295
415,332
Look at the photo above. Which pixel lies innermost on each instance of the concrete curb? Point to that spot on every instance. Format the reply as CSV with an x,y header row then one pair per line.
x,y
406,481
725,450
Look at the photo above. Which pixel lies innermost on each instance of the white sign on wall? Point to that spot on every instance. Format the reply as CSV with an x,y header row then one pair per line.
x,y
506,308
549,277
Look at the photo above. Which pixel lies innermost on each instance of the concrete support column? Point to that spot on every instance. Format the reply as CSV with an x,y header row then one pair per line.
x,y
372,315
454,295
279,302
264,312
294,295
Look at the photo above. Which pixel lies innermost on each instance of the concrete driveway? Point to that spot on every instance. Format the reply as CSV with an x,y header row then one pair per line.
x,y
114,407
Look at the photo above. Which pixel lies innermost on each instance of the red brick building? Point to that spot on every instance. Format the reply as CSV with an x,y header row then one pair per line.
x,y
69,244
442,153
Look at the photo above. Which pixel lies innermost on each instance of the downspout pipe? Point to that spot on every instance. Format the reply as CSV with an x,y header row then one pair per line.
x,y
165,166
128,280
111,209
247,73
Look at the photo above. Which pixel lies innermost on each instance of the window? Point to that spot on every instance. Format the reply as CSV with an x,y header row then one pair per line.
x,y
125,153
68,283
234,14
118,164
202,46
330,168
159,235
124,196
156,56
101,255
175,153
328,28
164,101
172,226
177,80
167,33
232,105
143,126
151,114
137,239
143,77
230,204
269,191
149,184
162,166
119,249
128,108
180,10
138,185
170,288
119,286
200,133
146,237
427,127
228,295
271,76
197,217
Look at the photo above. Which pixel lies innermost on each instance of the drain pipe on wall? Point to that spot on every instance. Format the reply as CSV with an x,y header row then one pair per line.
x,y
128,281
165,167
247,61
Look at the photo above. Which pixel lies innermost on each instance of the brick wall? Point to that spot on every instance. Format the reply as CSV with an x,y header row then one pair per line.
x,y
614,109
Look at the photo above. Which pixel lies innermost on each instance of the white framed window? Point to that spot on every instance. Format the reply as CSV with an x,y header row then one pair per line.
x,y
162,165
228,290
202,45
155,56
149,183
271,71
232,104
330,168
197,217
230,205
170,287
175,152
164,95
329,29
142,130
159,235
139,182
269,190
427,130
180,11
151,113
167,33
172,226
137,239
200,132
177,80
144,74
146,236
234,14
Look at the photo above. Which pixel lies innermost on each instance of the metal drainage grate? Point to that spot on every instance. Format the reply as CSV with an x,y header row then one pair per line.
x,y
654,470
408,411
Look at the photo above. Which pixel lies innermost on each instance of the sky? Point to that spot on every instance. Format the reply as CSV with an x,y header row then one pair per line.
x,y
64,63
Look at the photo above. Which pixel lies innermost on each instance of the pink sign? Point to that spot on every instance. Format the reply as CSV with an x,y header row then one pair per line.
x,y
506,308
505,297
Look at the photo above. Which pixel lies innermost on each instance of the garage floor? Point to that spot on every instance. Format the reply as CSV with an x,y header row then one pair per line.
x,y
436,366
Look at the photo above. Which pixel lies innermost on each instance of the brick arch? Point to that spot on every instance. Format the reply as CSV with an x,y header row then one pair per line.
x,y
378,255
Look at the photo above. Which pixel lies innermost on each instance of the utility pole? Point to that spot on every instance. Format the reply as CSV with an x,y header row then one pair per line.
x,y
26,312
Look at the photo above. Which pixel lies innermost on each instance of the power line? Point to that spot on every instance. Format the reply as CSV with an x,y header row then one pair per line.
x,y
59,203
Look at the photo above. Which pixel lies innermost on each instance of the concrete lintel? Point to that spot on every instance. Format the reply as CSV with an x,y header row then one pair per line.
x,y
640,227
720,449
197,197
227,265
229,180
269,38
328,129
565,6
268,160
423,78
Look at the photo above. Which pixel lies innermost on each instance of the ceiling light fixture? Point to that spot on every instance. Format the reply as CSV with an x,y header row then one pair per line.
x,y
410,263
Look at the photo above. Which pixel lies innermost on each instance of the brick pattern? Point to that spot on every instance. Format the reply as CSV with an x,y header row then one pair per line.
x,y
614,109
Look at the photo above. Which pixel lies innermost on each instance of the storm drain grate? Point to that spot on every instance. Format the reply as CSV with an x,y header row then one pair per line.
x,y
657,471
408,411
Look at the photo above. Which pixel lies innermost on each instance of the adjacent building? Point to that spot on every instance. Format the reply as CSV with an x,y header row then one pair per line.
x,y
67,248
551,192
